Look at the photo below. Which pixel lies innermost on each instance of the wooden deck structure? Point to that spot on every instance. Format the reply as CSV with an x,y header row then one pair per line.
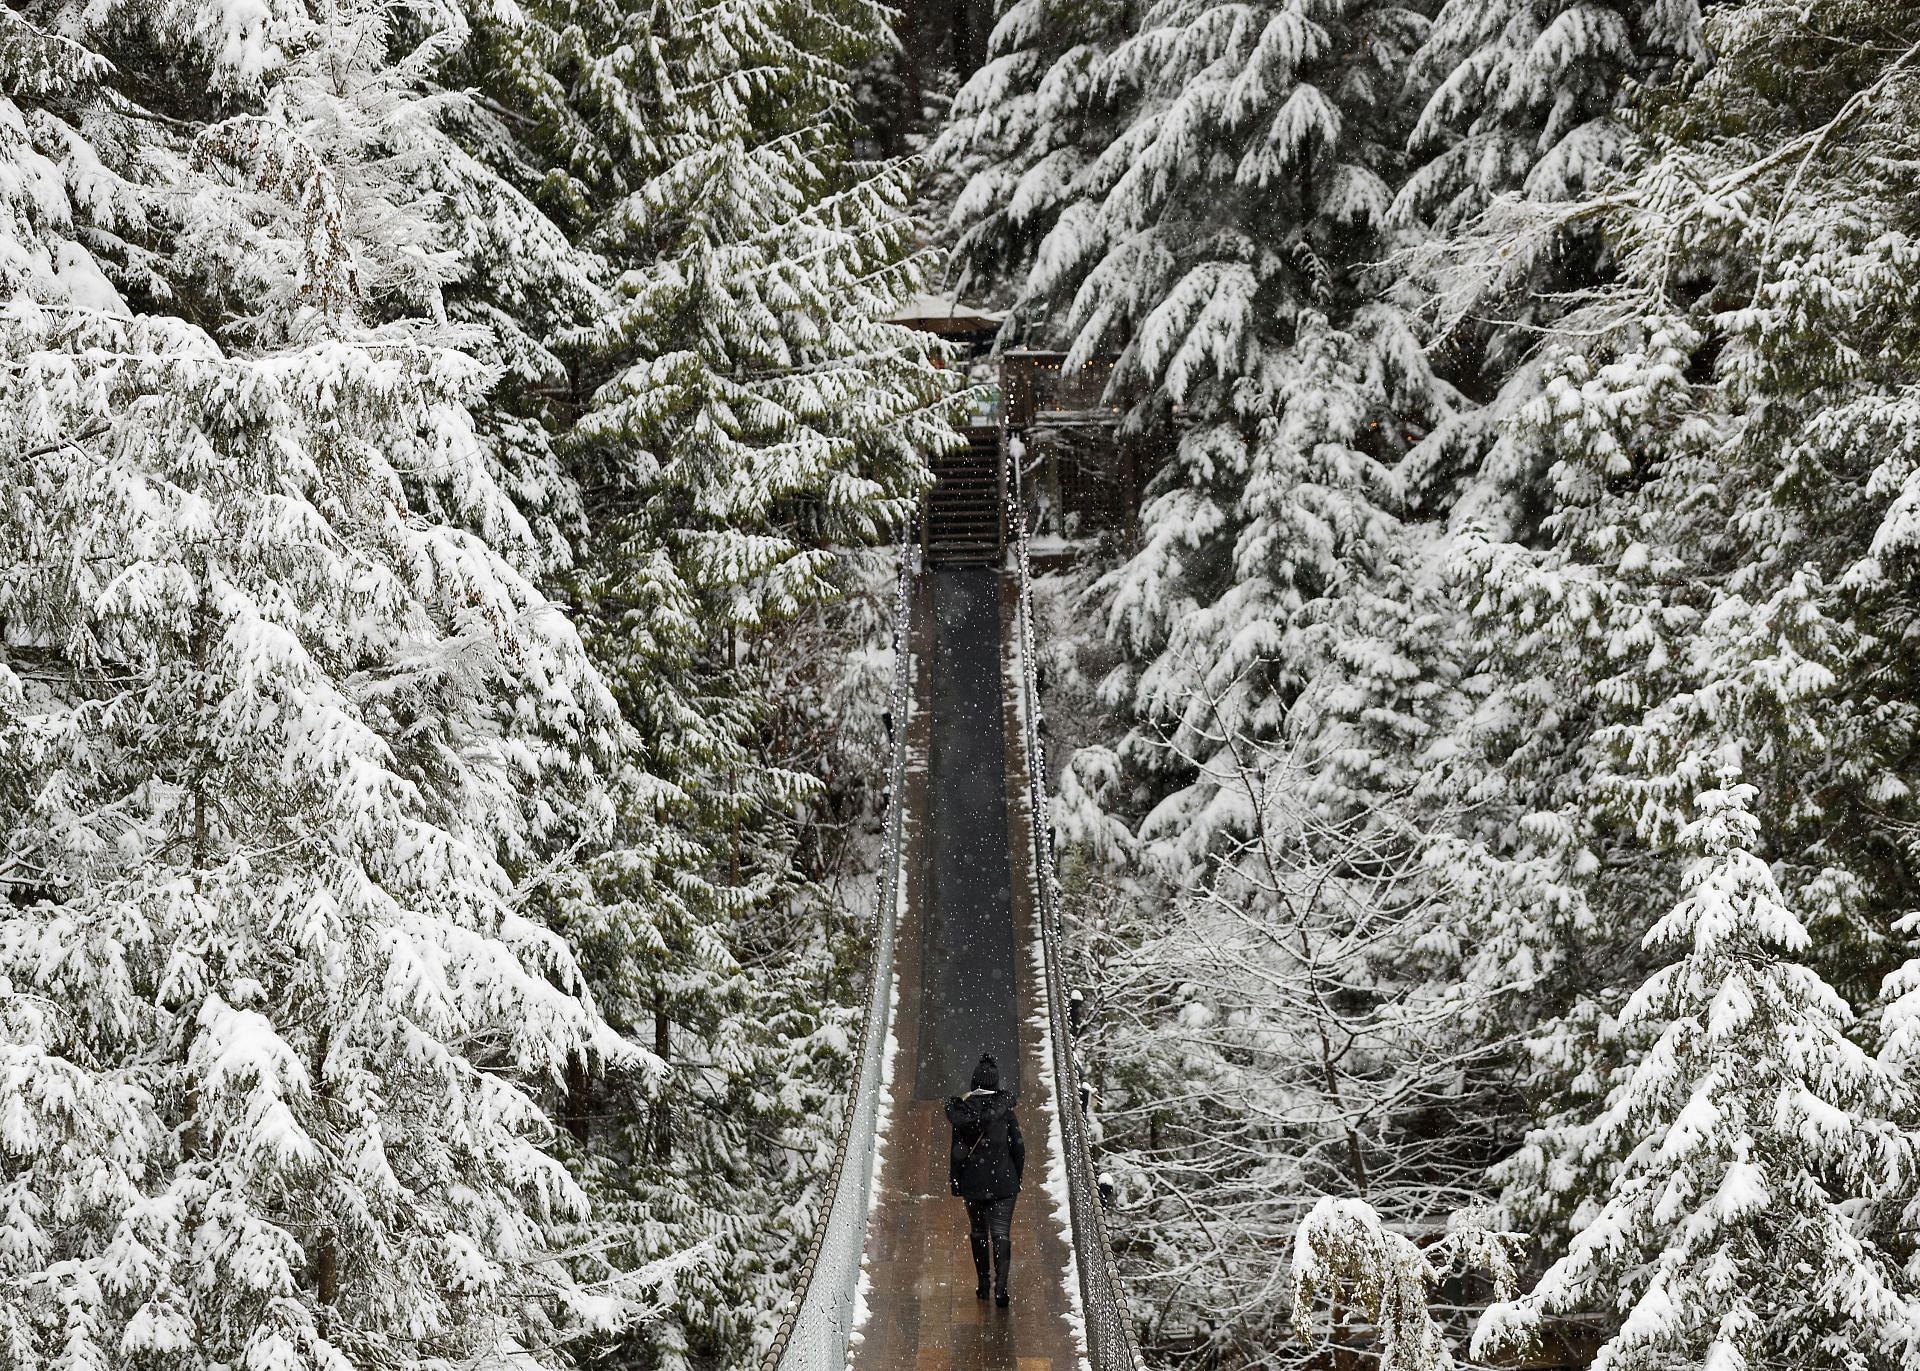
x,y
1083,477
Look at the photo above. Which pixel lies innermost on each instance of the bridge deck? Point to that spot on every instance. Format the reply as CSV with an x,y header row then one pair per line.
x,y
967,984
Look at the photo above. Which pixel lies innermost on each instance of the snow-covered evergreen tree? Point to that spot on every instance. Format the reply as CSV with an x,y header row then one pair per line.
x,y
745,416
1735,1154
1218,242
1020,134
1522,111
1214,214
1723,577
288,744
1527,97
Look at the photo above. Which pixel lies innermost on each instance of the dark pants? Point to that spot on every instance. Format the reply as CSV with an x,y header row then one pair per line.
x,y
991,1221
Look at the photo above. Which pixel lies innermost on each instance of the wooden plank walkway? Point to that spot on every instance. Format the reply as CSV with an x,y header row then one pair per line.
x,y
923,1314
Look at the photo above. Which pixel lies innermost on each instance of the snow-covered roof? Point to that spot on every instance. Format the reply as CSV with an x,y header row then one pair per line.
x,y
944,314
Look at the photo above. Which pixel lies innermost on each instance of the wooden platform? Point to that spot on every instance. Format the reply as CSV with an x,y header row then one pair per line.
x,y
923,1314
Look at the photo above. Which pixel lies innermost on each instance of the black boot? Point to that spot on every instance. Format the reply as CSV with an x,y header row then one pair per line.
x,y
1002,1262
978,1241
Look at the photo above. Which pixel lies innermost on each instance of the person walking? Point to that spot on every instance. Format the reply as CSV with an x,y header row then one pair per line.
x,y
984,1170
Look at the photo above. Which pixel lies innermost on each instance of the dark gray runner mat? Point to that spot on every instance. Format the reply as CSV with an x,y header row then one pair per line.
x,y
966,982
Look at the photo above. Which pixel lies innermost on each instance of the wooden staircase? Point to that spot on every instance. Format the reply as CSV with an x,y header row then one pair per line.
x,y
966,520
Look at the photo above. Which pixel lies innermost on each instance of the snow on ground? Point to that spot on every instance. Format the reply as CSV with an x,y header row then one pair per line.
x,y
882,1129
890,1051
1055,1184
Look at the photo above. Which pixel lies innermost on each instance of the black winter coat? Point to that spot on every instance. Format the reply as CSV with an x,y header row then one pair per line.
x,y
988,1152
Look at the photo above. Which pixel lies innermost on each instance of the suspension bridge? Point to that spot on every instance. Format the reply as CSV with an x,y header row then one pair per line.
x,y
967,957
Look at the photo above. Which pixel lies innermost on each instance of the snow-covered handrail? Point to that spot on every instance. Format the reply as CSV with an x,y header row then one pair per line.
x,y
1110,1343
813,1335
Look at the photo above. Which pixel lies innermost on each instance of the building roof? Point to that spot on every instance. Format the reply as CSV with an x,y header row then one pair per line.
x,y
943,314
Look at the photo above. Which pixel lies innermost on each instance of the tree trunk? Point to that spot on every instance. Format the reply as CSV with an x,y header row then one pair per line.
x,y
326,1272
578,1085
662,1108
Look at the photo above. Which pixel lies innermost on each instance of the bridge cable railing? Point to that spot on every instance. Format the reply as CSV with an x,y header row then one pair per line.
x,y
814,1334
1110,1340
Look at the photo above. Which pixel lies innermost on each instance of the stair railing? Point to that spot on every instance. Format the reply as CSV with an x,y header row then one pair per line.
x,y
1110,1340
814,1334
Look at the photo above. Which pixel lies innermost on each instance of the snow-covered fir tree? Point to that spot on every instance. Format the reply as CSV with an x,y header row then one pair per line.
x,y
1020,133
1210,191
743,415
1528,98
1730,502
1218,243
288,744
1522,109
1738,1150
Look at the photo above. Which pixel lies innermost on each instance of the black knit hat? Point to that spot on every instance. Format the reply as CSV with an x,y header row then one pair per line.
x,y
986,1076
